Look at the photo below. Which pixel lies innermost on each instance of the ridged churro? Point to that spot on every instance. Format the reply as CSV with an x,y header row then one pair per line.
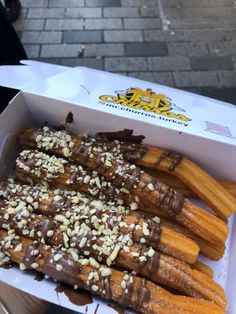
x,y
107,246
178,185
128,177
203,268
144,231
197,179
123,288
214,252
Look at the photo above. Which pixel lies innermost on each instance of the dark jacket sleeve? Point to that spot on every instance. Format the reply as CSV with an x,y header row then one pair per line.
x,y
11,52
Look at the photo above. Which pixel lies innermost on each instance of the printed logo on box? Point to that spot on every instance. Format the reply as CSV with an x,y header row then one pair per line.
x,y
146,100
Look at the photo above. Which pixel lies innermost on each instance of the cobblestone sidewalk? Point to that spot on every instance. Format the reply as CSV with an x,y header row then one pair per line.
x,y
188,44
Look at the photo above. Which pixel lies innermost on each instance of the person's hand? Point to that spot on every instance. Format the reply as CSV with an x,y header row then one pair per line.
x,y
18,302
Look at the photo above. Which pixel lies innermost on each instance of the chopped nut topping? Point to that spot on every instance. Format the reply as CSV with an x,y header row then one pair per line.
x,y
93,262
94,288
62,219
105,271
29,199
22,266
18,248
50,233
57,198
133,206
74,255
57,257
34,265
123,284
59,267
156,219
151,252
150,186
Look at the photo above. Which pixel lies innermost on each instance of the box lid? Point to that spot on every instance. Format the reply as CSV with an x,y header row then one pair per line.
x,y
128,97
19,76
140,100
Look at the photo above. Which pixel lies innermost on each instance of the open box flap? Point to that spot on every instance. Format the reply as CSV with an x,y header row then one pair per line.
x,y
140,100
19,76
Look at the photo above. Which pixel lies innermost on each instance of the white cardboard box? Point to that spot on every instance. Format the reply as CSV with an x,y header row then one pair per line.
x,y
202,128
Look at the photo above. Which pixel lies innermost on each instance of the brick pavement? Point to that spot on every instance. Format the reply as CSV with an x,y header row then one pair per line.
x,y
187,44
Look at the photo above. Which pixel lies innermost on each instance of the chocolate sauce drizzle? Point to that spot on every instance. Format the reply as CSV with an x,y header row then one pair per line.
x,y
7,265
106,192
169,199
134,152
175,159
124,135
150,267
78,297
39,277
69,119
118,309
154,236
129,146
143,294
126,296
30,256
70,273
135,297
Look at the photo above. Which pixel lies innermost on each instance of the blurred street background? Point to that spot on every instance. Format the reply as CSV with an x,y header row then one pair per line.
x,y
187,44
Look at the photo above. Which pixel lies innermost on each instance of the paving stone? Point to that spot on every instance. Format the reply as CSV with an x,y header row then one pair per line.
x,y
51,61
149,11
164,78
146,49
194,3
23,13
19,33
32,51
227,94
142,23
66,3
234,60
120,12
125,64
222,48
227,78
187,49
41,37
82,37
211,63
168,63
46,13
103,3
203,23
65,24
85,62
103,24
195,79
201,34
83,12
94,50
29,24
123,36
61,51
138,3
32,4
200,12
189,35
